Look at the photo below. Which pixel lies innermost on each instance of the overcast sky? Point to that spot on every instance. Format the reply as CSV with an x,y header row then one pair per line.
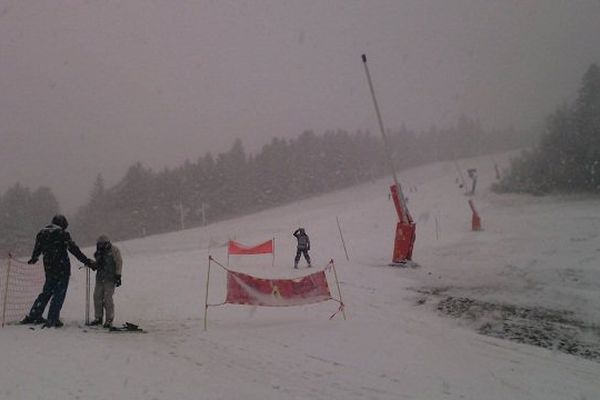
x,y
90,87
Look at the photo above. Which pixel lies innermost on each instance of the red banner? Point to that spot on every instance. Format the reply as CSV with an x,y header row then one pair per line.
x,y
246,289
239,249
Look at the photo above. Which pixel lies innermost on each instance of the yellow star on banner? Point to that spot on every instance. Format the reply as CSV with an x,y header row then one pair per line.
x,y
275,291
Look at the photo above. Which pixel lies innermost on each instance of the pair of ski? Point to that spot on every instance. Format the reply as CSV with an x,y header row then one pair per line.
x,y
126,327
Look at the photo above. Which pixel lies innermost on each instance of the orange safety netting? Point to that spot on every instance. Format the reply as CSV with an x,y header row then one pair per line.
x,y
20,283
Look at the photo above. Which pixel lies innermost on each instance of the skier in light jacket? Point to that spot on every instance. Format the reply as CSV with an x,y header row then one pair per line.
x,y
109,265
303,246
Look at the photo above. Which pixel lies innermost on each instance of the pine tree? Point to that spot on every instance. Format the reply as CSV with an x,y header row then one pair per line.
x,y
568,156
587,122
42,207
22,214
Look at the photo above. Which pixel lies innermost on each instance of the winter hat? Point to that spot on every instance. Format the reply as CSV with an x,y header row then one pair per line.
x,y
103,239
60,220
103,243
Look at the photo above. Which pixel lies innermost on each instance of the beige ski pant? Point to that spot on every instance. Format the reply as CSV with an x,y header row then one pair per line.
x,y
103,300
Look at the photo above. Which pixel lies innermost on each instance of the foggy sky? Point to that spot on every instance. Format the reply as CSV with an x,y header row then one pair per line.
x,y
90,87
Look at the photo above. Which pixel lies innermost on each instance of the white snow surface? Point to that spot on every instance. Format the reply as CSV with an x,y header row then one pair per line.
x,y
533,251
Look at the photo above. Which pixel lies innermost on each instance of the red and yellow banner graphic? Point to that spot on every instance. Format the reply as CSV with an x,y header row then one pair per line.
x,y
246,289
239,249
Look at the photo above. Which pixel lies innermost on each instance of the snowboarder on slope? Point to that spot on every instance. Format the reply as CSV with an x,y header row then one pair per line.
x,y
109,265
303,246
53,241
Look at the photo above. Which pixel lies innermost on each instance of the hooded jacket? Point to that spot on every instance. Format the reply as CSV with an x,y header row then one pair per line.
x,y
53,242
109,263
303,239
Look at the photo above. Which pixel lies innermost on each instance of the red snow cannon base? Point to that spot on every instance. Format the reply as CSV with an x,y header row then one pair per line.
x,y
404,242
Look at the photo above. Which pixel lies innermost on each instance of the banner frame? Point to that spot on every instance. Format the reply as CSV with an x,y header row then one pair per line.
x,y
206,296
337,283
206,305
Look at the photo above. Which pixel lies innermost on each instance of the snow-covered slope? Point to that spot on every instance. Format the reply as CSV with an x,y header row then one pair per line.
x,y
536,254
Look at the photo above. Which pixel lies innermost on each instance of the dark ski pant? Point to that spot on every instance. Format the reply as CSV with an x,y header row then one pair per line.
x,y
55,288
298,253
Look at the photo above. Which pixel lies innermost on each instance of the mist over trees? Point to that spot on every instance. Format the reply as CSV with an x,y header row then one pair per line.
x,y
234,183
567,157
22,214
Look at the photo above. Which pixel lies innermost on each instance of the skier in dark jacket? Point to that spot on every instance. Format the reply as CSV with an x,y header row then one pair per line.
x,y
303,246
108,276
53,241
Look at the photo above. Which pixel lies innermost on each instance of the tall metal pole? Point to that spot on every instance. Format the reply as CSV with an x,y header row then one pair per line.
x,y
87,295
463,183
181,217
342,237
385,139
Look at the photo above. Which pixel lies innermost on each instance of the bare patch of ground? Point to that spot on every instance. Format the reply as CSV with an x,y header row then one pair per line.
x,y
552,329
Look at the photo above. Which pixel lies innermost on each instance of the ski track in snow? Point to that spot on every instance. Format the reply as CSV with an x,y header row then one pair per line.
x,y
533,252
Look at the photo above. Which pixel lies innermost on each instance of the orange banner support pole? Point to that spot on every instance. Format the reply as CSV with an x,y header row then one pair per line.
x,y
337,283
206,296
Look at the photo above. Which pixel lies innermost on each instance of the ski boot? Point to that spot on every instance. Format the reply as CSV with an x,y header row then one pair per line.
x,y
53,323
28,320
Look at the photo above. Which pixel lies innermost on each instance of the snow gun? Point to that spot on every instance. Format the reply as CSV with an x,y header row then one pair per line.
x,y
406,227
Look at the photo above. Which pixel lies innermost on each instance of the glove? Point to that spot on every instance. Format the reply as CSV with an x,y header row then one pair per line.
x,y
117,280
91,264
32,261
